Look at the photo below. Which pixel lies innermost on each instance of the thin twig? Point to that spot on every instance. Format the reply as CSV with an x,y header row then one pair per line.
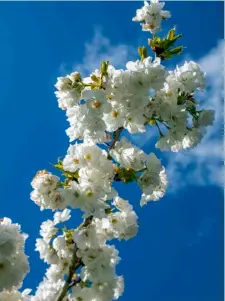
x,y
160,132
70,275
75,282
116,137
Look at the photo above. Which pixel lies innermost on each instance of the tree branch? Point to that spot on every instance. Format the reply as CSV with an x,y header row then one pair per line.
x,y
70,275
116,137
75,263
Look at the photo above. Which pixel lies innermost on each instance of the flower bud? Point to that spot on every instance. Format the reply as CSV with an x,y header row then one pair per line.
x,y
94,78
75,77
152,121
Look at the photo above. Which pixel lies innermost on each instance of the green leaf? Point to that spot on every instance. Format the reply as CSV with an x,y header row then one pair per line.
x,y
108,211
104,67
142,52
167,43
165,55
157,40
177,37
176,50
171,34
58,166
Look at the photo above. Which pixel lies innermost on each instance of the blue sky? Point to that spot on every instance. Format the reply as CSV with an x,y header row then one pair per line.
x,y
178,253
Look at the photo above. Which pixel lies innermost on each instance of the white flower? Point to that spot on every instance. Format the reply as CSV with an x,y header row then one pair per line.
x,y
153,181
179,140
171,141
110,290
63,249
91,237
99,264
128,155
96,102
205,118
134,122
90,198
14,270
153,164
54,200
122,204
13,261
190,76
121,225
192,138
84,125
97,177
45,193
15,295
84,294
48,230
67,99
48,290
44,182
47,252
11,240
113,120
151,74
152,14
71,161
57,271
119,288
63,83
85,155
63,216
69,90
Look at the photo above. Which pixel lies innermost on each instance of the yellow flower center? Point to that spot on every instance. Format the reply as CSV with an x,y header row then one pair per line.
x,y
89,193
75,161
115,114
87,156
95,104
151,26
152,121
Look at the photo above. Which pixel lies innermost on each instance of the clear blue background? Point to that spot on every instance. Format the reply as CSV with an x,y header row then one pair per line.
x,y
178,253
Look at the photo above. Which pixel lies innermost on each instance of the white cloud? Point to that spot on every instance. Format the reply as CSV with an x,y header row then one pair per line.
x,y
101,48
204,164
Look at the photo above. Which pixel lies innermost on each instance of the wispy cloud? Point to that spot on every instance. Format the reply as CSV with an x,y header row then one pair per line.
x,y
101,48
204,164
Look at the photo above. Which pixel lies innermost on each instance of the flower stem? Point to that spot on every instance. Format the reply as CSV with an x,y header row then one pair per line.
x,y
116,137
72,267
160,132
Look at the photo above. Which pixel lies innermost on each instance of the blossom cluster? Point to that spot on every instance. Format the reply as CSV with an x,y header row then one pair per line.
x,y
152,15
86,247
13,261
101,109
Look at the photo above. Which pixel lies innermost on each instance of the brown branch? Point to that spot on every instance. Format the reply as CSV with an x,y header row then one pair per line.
x,y
75,263
70,275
